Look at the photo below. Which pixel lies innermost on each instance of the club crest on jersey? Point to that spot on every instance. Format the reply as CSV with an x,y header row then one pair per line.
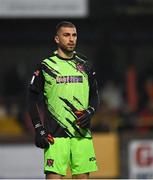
x,y
80,67
92,159
50,162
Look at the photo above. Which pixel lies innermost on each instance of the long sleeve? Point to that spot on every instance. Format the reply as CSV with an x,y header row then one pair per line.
x,y
93,87
93,92
34,93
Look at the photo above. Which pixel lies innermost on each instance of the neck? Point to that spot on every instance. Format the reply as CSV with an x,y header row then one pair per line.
x,y
67,55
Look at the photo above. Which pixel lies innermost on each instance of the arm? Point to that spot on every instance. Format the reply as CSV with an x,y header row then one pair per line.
x,y
84,120
93,92
93,88
35,90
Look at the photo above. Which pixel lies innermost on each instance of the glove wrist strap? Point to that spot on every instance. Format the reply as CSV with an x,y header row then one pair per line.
x,y
91,110
38,125
39,128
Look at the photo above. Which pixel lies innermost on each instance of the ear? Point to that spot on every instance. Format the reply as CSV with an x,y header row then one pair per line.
x,y
56,39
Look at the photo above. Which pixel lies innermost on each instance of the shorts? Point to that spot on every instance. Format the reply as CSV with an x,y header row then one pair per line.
x,y
78,153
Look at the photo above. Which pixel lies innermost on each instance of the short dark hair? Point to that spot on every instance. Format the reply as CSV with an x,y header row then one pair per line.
x,y
64,24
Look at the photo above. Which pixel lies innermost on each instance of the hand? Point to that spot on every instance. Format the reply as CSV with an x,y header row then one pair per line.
x,y
84,117
42,140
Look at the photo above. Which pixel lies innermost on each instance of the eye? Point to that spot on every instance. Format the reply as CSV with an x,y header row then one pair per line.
x,y
66,34
74,35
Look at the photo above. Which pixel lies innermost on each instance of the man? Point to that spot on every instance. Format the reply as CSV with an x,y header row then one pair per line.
x,y
67,82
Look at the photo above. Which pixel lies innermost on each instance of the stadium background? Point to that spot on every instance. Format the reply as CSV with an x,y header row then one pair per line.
x,y
117,36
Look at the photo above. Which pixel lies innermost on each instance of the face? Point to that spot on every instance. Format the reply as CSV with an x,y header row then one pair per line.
x,y
66,39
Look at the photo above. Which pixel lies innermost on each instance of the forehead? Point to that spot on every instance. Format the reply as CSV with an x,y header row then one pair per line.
x,y
70,30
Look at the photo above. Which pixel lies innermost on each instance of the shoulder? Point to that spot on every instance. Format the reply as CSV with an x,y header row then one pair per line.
x,y
81,57
84,60
48,60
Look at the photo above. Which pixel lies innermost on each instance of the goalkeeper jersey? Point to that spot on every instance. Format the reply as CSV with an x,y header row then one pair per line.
x,y
66,86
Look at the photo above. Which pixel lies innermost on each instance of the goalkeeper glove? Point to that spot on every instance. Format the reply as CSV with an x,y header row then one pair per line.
x,y
42,140
84,117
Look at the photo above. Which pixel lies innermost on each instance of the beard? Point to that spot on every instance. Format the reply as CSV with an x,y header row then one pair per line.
x,y
65,49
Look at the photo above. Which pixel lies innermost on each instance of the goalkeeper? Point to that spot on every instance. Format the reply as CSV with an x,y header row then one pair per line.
x,y
67,83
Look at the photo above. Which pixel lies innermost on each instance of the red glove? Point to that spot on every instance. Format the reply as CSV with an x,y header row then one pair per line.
x,y
50,139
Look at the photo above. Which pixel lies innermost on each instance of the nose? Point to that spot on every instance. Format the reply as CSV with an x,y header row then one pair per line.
x,y
71,38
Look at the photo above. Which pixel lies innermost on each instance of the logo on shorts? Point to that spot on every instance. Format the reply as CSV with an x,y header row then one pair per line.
x,y
92,159
50,162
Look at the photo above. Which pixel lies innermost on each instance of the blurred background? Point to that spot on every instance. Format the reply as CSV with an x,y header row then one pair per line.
x,y
117,36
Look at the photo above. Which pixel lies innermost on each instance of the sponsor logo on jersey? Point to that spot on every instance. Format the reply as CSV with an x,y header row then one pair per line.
x,y
69,79
50,162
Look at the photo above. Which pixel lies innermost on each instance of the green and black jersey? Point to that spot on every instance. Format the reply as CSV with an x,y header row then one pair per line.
x,y
67,85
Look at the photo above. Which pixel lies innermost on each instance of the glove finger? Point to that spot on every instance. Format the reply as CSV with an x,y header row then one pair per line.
x,y
38,144
84,124
42,144
82,121
45,143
